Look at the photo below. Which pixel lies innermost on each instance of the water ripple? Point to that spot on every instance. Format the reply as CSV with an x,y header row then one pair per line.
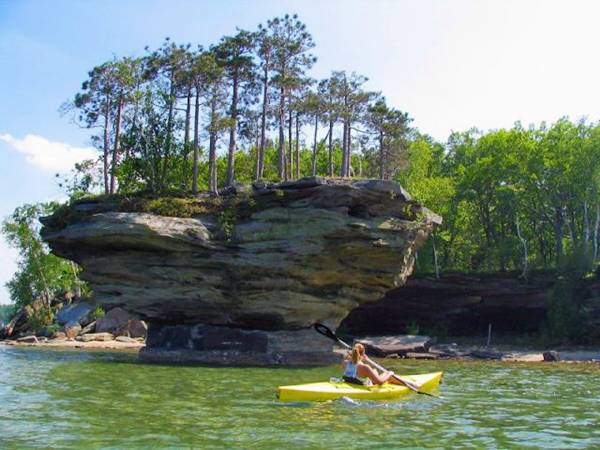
x,y
58,399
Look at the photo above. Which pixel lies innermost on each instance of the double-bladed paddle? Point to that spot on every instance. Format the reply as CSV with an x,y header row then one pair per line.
x,y
327,332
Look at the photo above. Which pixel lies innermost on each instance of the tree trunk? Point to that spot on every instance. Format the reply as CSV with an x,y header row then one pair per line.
x,y
558,235
297,162
212,165
570,228
381,157
169,139
586,230
596,225
343,172
314,155
290,168
232,132
349,149
256,147
106,143
435,258
186,135
524,242
188,113
281,144
115,155
196,142
260,163
330,162
76,278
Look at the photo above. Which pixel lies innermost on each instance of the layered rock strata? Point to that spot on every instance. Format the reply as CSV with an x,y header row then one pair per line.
x,y
272,258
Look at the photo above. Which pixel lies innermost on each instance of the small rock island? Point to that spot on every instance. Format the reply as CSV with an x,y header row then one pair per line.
x,y
241,278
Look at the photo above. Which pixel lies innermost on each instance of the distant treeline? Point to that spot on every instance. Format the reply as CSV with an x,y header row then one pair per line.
x,y
6,313
517,199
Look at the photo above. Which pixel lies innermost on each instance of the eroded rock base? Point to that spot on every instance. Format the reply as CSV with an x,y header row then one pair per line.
x,y
206,344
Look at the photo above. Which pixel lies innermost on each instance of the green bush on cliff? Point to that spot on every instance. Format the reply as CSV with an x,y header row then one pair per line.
x,y
39,273
62,216
168,206
226,220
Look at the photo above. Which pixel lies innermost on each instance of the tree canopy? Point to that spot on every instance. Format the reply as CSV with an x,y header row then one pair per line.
x,y
191,119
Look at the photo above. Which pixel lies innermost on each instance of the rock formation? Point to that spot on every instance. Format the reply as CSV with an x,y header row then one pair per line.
x,y
458,305
249,273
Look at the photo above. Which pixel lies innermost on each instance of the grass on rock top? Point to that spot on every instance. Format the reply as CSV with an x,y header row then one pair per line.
x,y
169,205
176,204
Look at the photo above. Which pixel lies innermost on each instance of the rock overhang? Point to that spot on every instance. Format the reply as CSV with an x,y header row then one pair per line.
x,y
267,257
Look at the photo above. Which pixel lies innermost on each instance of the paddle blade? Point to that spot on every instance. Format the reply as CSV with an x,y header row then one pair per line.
x,y
325,331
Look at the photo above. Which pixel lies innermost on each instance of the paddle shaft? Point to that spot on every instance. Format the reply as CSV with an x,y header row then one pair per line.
x,y
326,331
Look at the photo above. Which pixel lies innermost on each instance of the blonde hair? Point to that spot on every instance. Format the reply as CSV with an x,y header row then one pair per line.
x,y
358,351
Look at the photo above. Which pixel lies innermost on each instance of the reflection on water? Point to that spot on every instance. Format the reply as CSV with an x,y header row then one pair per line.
x,y
57,399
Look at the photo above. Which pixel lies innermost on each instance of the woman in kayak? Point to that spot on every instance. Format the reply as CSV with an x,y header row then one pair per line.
x,y
356,369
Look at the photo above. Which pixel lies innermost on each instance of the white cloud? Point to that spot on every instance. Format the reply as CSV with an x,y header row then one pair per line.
x,y
49,156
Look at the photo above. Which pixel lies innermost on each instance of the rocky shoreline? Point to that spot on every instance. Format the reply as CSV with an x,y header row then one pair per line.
x,y
426,348
441,351
109,344
77,324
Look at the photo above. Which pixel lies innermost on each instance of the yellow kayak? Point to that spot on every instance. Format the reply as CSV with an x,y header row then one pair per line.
x,y
332,390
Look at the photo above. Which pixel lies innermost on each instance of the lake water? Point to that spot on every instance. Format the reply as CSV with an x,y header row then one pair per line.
x,y
68,399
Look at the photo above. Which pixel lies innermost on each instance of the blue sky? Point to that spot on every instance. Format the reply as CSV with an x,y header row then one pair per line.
x,y
450,64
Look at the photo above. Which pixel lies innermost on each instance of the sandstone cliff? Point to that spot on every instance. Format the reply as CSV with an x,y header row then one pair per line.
x,y
269,258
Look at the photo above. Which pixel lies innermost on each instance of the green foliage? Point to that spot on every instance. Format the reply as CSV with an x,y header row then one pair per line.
x,y
97,313
41,318
227,219
564,319
61,217
438,330
542,181
168,206
83,179
38,272
50,330
412,328
6,313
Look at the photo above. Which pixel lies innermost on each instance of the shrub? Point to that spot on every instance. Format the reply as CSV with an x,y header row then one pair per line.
x,y
97,313
51,329
40,319
226,219
564,317
412,328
